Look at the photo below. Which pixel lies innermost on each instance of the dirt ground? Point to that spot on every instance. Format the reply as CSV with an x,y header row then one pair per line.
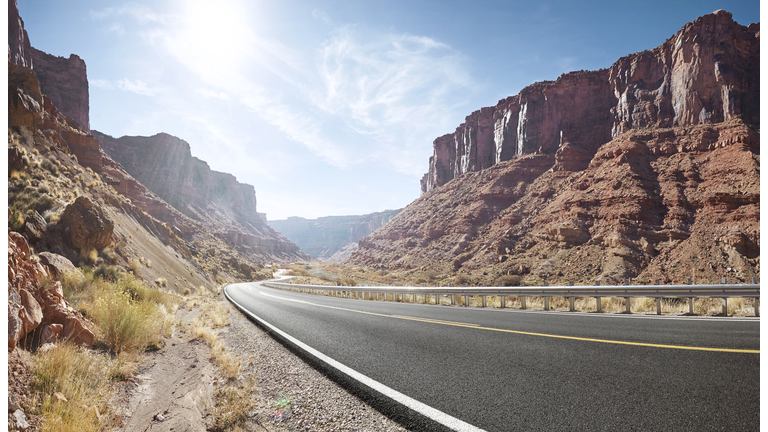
x,y
174,388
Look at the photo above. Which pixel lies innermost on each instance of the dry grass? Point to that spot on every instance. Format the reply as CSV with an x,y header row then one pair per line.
x,y
73,386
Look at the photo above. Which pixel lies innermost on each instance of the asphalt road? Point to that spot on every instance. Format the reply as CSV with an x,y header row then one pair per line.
x,y
503,370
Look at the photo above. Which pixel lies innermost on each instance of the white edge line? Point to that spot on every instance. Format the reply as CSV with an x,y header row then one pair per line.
x,y
421,408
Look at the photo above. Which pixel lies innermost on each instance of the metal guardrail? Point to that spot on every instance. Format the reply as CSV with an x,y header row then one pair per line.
x,y
723,291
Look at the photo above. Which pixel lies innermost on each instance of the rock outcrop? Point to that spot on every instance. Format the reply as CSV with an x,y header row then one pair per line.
x,y
647,170
36,305
324,237
165,165
707,73
65,82
19,48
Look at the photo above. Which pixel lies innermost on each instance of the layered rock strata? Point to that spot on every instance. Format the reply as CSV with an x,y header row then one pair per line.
x,y
648,170
165,165
705,74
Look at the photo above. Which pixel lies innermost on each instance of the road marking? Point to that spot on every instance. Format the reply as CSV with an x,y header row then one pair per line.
x,y
436,415
479,327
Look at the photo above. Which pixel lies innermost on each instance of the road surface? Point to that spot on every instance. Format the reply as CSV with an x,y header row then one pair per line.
x,y
509,369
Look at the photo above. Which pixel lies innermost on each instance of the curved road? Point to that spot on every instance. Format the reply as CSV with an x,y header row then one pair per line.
x,y
502,370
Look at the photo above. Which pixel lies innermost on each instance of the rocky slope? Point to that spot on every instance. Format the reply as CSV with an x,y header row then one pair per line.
x,y
647,170
323,237
217,200
57,168
706,73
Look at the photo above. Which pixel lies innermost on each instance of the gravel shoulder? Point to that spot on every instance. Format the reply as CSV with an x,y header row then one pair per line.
x,y
174,388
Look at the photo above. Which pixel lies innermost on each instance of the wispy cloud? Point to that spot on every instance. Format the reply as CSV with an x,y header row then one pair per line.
x,y
140,13
137,86
362,95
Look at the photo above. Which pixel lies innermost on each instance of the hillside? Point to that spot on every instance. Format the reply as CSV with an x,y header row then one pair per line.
x,y
323,238
55,164
647,170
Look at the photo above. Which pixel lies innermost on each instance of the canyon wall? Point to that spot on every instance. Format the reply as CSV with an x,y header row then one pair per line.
x,y
648,170
707,73
63,80
165,165
323,237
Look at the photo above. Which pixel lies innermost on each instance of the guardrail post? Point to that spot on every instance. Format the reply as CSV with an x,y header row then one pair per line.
x,y
572,301
546,303
757,305
453,299
599,303
484,301
502,301
690,305
522,302
658,305
725,299
466,300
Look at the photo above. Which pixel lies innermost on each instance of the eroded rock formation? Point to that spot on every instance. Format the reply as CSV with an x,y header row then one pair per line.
x,y
165,165
647,170
707,73
36,305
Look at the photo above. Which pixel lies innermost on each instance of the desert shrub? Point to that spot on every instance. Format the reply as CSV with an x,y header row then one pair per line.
x,y
509,280
135,266
49,166
348,282
79,374
109,254
16,221
161,282
43,202
108,272
127,324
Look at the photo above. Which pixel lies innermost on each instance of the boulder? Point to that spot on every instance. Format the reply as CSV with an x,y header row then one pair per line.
x,y
85,225
59,264
35,227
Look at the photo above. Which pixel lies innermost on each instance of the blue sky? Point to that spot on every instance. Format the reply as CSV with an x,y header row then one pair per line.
x,y
331,107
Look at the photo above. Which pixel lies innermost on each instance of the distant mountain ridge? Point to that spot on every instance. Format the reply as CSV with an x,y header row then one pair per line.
x,y
325,237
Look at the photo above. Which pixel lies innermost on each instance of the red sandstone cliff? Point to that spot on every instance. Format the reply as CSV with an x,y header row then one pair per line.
x,y
64,81
707,73
217,200
647,170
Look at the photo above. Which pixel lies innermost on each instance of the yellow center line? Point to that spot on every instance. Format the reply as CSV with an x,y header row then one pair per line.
x,y
479,327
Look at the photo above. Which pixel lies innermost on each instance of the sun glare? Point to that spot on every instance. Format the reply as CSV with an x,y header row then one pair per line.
x,y
213,39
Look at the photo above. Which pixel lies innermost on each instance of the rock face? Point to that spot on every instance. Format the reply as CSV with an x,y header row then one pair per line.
x,y
19,49
647,170
36,309
65,82
165,165
707,73
324,237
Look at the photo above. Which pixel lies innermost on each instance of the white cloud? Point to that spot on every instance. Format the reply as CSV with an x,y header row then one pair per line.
x,y
136,86
361,96
212,94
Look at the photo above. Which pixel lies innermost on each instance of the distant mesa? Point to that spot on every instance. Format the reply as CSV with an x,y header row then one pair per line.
x,y
331,238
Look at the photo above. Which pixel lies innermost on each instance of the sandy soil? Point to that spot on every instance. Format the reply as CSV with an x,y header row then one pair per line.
x,y
174,388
